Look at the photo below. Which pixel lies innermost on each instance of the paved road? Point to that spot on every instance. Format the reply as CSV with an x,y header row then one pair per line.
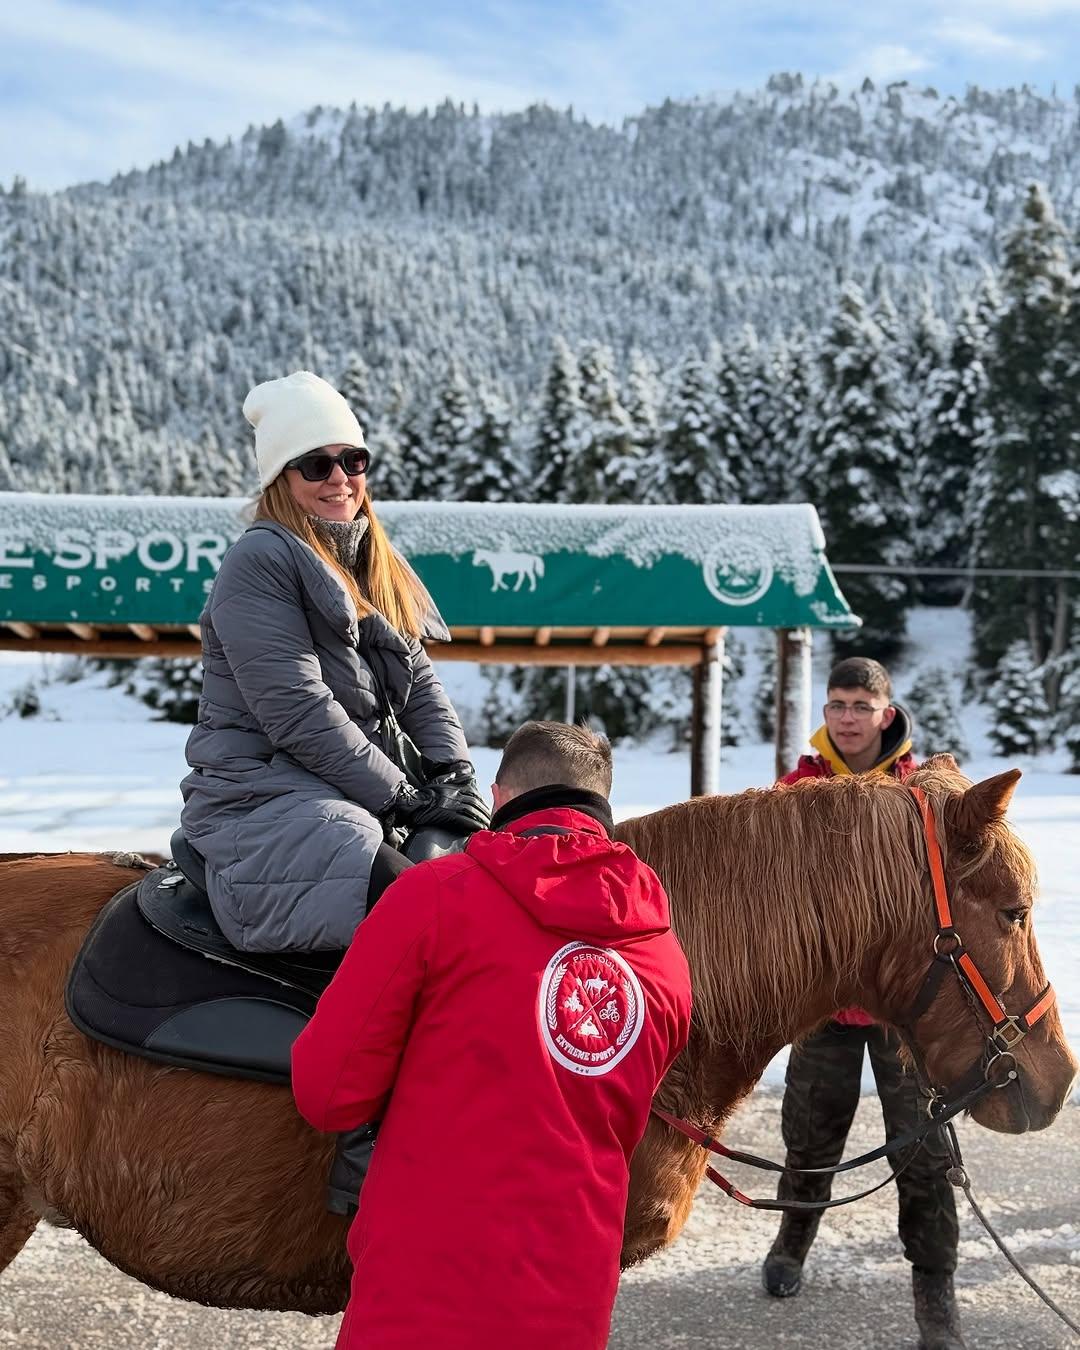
x,y
703,1293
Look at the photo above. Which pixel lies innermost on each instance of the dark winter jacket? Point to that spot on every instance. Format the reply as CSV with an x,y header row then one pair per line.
x,y
289,780
896,758
509,1014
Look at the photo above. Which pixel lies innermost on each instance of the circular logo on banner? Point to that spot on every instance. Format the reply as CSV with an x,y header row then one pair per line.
x,y
738,574
591,1008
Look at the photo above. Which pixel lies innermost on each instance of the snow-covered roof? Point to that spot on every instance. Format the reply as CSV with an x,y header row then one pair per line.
x,y
151,560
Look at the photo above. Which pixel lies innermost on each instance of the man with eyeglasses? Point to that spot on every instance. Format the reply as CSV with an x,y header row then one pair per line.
x,y
864,732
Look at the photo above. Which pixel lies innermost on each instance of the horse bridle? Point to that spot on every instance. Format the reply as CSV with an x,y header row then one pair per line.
x,y
995,1069
1006,1030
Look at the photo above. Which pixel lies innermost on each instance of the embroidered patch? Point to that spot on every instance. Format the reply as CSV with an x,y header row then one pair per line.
x,y
591,1008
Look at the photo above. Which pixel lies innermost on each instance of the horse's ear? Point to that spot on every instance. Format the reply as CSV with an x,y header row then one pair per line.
x,y
942,761
972,814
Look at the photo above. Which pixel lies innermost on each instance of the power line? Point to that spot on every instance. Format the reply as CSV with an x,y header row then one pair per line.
x,y
869,569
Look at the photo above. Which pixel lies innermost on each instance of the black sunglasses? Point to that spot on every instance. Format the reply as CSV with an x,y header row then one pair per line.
x,y
317,466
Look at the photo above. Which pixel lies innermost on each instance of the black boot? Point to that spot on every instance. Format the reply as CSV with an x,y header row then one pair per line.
x,y
936,1312
782,1272
352,1158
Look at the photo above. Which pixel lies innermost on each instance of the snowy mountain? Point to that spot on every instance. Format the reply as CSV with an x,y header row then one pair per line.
x,y
135,314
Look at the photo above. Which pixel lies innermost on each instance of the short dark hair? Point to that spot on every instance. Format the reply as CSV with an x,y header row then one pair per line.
x,y
860,672
540,754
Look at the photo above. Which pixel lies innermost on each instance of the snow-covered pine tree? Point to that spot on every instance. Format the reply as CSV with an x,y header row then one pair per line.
x,y
390,478
492,470
765,692
691,468
1018,704
1068,714
950,425
354,386
607,451
754,367
453,428
1028,441
732,727
560,427
932,702
782,472
732,437
854,453
169,685
628,477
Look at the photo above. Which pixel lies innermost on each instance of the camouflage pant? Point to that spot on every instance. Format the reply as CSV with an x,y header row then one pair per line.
x,y
819,1104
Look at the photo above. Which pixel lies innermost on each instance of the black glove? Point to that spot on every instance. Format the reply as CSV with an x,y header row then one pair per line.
x,y
457,807
456,771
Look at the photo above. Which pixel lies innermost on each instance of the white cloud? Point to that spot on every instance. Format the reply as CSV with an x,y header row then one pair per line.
x,y
298,74
883,62
982,40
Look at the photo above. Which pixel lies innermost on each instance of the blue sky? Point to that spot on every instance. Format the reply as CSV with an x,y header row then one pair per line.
x,y
89,89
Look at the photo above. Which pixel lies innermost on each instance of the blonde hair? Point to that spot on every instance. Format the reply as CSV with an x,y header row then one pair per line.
x,y
392,589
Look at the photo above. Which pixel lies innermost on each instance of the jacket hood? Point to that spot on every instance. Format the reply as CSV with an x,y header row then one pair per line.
x,y
895,744
335,604
580,885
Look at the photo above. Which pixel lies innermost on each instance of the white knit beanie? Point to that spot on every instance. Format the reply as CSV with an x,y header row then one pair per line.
x,y
294,415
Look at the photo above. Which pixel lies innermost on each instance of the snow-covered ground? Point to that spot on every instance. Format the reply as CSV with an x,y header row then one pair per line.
x,y
92,771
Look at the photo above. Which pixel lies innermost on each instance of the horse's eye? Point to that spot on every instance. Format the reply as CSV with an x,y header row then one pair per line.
x,y
1017,917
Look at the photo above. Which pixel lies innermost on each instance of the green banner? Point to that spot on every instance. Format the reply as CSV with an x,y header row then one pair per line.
x,y
152,560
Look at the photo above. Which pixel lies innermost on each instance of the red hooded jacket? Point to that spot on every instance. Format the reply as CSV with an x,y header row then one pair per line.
x,y
896,759
508,1013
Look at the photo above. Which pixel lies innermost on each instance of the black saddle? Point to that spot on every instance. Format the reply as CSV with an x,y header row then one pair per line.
x,y
173,900
156,977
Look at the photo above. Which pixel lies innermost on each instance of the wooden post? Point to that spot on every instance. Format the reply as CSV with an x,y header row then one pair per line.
x,y
794,689
705,720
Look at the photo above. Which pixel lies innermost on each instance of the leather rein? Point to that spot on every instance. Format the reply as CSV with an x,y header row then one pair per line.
x,y
996,1068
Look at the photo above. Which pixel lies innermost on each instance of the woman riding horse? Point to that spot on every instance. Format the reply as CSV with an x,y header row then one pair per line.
x,y
311,649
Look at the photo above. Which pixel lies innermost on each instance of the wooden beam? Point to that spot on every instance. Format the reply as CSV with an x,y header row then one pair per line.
x,y
654,637
108,644
712,636
144,632
487,637
24,630
600,637
86,631
195,631
570,654
543,637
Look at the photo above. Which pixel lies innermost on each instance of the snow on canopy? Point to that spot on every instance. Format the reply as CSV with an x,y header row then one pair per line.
x,y
787,537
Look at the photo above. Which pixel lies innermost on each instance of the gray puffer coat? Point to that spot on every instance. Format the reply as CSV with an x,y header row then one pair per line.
x,y
288,780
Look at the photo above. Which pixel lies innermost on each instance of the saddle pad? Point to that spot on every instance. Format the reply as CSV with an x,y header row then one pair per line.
x,y
134,989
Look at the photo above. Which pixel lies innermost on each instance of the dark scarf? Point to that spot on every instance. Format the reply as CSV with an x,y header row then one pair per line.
x,y
552,797
344,538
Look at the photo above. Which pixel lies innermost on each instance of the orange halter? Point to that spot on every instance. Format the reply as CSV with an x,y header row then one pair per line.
x,y
949,951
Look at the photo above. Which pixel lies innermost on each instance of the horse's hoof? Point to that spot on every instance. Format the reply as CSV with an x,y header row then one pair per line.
x,y
781,1275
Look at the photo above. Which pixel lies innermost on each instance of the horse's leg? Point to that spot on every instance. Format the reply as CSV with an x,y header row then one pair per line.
x,y
17,1219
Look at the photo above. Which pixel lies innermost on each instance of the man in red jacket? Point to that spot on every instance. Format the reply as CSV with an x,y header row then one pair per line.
x,y
864,732
508,1013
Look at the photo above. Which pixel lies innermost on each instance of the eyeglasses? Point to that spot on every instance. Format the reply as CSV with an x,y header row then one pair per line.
x,y
860,711
317,466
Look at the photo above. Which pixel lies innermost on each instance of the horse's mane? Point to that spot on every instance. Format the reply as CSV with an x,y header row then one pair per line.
x,y
770,887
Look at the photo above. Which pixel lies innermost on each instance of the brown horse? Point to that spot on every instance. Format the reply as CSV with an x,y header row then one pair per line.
x,y
789,904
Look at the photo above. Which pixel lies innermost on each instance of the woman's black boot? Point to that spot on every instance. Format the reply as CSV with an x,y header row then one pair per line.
x,y
352,1158
782,1272
936,1312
